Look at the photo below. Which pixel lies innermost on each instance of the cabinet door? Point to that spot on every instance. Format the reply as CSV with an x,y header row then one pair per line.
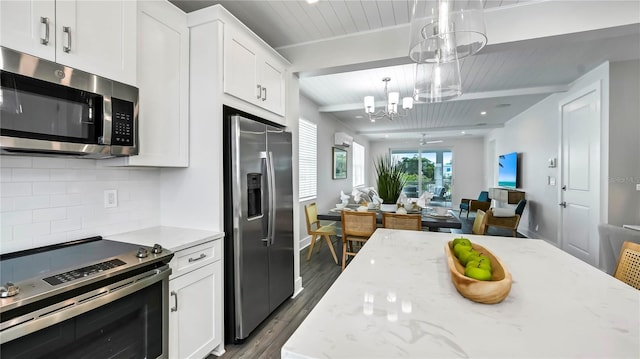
x,y
272,80
98,37
240,66
163,80
24,25
195,314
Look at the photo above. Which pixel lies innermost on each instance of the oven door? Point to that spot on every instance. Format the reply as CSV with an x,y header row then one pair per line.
x,y
126,319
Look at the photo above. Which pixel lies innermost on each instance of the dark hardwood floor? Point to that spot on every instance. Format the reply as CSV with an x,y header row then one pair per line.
x,y
318,274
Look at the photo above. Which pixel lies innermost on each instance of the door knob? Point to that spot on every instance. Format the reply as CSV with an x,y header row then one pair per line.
x,y
563,204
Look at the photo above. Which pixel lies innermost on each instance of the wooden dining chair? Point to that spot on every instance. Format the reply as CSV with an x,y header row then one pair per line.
x,y
357,227
315,230
411,222
480,223
628,268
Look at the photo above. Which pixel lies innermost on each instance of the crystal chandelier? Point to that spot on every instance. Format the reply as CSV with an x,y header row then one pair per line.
x,y
390,110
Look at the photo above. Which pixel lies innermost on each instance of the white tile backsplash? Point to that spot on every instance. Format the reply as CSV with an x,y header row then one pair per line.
x,y
51,200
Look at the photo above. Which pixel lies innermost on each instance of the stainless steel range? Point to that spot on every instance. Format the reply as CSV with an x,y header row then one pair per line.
x,y
91,298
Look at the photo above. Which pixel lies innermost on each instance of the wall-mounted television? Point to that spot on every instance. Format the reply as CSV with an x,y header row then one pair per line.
x,y
508,170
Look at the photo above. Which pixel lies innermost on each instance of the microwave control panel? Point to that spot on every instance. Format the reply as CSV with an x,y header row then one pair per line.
x,y
122,122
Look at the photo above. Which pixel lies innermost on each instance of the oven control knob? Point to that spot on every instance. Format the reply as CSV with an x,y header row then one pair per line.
x,y
9,290
157,249
142,253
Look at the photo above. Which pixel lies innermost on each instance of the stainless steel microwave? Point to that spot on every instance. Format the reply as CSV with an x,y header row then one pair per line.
x,y
50,109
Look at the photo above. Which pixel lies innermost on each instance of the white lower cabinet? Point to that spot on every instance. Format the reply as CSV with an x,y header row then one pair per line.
x,y
194,312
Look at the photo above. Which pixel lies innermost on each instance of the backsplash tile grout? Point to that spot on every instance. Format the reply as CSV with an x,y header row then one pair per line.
x,y
51,200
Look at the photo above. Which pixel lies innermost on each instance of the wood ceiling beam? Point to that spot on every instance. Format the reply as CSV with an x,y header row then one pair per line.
x,y
505,24
464,97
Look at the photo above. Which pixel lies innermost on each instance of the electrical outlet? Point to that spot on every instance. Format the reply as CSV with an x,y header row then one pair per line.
x,y
638,187
110,198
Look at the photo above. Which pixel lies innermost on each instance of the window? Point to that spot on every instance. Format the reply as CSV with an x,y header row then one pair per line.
x,y
427,171
307,160
358,165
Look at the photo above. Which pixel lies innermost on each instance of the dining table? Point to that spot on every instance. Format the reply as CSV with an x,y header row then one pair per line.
x,y
396,299
430,220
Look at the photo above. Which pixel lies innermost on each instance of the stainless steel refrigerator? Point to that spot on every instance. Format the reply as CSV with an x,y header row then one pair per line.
x,y
258,221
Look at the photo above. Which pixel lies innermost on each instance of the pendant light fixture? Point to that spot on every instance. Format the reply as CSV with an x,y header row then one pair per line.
x,y
444,30
437,82
390,109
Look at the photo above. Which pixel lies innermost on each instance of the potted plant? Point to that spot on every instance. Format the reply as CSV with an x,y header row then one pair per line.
x,y
391,180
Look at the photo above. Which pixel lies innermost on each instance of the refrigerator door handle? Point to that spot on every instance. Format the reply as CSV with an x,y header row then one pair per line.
x,y
272,196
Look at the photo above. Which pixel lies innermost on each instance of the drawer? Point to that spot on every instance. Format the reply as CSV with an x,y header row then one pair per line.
x,y
196,256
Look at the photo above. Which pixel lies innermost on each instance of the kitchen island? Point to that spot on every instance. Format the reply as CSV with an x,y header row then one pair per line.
x,y
396,300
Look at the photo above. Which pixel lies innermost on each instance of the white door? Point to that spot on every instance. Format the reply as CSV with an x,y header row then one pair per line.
x,y
29,27
580,187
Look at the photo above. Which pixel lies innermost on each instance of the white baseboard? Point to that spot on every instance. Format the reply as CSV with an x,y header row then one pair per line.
x,y
305,242
297,287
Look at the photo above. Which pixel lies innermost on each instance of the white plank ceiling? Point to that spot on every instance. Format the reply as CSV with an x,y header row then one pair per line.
x,y
503,79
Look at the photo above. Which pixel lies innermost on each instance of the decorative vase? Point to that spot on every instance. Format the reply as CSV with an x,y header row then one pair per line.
x,y
388,207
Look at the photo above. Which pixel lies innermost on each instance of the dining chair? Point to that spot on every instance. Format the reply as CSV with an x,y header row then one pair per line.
x,y
315,230
402,221
479,224
483,202
628,268
357,227
494,219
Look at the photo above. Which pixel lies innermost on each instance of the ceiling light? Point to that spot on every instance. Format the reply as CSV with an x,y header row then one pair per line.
x,y
437,82
435,141
446,29
483,113
312,1
390,109
358,116
463,132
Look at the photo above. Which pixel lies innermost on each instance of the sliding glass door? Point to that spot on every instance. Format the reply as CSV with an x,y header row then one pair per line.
x,y
427,170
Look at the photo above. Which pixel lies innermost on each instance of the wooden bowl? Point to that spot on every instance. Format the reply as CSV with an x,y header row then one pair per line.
x,y
487,292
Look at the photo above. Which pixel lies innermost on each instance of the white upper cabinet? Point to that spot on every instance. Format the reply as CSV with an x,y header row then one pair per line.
x,y
252,71
29,27
163,81
93,36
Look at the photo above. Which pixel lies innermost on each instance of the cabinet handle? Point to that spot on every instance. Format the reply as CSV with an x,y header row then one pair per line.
x,y
202,256
45,21
67,30
259,92
264,94
175,295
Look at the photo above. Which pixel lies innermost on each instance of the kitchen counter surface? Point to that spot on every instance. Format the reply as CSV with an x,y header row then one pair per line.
x,y
396,300
171,238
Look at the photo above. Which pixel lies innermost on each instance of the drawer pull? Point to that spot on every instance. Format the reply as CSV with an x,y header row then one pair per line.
x,y
202,256
175,295
45,22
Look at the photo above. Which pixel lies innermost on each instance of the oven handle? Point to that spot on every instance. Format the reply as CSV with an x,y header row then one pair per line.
x,y
69,308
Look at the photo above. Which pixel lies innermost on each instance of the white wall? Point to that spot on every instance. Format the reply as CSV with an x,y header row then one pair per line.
x,y
47,200
468,163
535,134
624,139
328,188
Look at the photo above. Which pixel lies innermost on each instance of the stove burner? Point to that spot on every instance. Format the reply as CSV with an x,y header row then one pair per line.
x,y
9,290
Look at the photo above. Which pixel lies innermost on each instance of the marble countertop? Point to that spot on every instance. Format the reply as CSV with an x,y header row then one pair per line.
x,y
171,238
396,300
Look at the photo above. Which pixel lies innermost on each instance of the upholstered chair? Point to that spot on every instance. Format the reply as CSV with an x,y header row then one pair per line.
x,y
471,205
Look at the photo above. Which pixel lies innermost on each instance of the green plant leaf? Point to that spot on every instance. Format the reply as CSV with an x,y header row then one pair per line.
x,y
391,178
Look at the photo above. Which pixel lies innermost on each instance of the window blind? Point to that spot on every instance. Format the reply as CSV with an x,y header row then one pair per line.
x,y
307,160
358,164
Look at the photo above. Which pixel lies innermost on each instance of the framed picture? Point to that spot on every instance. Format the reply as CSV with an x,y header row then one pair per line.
x,y
339,163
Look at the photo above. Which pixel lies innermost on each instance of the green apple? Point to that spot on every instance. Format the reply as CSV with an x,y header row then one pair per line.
x,y
482,258
460,240
483,263
465,255
460,248
475,272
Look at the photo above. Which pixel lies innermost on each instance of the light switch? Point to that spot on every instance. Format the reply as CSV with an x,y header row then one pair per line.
x,y
552,181
638,187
